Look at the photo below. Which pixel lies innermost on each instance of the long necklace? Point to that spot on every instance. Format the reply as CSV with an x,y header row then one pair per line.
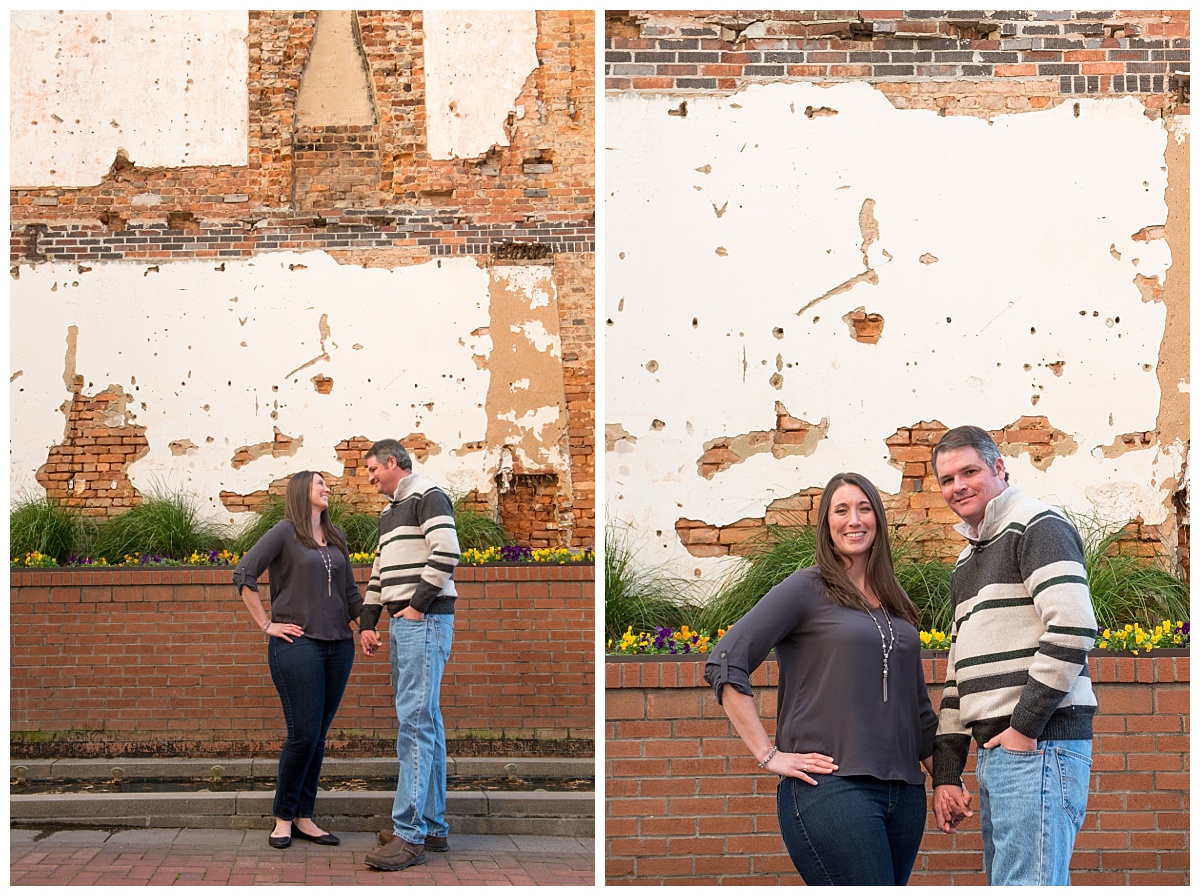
x,y
327,562
887,643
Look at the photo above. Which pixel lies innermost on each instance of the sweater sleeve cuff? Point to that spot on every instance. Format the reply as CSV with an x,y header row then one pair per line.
x,y
369,617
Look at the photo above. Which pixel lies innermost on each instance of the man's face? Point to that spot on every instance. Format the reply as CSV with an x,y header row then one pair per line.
x,y
967,483
384,476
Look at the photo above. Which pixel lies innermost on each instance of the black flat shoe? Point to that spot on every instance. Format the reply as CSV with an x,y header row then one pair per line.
x,y
323,839
279,842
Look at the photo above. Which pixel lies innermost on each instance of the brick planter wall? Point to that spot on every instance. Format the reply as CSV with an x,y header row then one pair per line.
x,y
686,805
167,662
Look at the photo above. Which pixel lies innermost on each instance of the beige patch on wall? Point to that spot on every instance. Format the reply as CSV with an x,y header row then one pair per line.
x,y
525,399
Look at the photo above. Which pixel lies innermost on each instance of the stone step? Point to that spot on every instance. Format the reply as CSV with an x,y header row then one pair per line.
x,y
569,814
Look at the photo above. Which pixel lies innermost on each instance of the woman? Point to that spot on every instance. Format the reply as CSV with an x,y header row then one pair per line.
x,y
855,723
310,647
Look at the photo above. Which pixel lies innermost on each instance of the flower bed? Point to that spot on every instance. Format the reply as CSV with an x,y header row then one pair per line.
x,y
470,557
666,642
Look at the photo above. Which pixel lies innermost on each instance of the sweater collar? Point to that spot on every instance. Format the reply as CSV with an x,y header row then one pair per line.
x,y
404,488
996,510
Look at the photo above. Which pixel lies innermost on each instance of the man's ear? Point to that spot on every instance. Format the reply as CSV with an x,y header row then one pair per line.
x,y
1000,469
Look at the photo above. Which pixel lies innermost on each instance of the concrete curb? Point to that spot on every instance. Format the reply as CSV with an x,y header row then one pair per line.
x,y
538,813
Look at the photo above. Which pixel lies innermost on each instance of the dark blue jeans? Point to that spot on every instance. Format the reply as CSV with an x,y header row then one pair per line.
x,y
310,676
855,830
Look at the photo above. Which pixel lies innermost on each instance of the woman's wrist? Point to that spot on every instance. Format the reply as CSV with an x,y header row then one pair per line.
x,y
769,757
266,625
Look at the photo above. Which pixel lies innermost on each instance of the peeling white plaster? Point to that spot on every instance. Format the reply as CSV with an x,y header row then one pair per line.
x,y
533,421
1024,277
520,385
475,65
527,280
169,88
535,331
199,364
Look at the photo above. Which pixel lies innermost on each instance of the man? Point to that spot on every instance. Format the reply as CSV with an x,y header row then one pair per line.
x,y
413,579
1017,678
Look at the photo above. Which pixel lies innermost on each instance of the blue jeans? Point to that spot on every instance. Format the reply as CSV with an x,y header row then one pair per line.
x,y
419,651
311,677
855,830
1031,806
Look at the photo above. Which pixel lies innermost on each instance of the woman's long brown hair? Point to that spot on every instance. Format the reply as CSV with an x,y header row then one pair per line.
x,y
297,509
881,576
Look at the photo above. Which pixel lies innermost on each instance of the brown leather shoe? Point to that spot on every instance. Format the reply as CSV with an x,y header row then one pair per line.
x,y
396,854
432,844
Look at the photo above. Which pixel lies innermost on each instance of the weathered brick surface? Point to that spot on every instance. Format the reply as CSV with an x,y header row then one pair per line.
x,y
149,661
973,62
686,805
369,195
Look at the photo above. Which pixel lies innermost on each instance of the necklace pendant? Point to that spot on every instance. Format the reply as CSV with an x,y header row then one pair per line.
x,y
885,677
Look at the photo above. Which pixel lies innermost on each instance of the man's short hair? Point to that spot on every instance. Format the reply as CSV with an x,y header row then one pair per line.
x,y
385,448
969,437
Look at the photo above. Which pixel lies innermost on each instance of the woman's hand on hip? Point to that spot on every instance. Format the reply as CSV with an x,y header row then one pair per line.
x,y
283,629
801,765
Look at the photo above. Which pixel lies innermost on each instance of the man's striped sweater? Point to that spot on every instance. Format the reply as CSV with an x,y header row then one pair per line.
x,y
1023,626
418,550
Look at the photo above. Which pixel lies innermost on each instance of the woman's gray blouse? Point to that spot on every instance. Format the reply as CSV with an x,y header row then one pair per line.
x,y
830,696
320,600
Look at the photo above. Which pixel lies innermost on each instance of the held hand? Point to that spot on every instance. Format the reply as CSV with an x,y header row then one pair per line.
x,y
410,613
1012,739
369,639
283,629
951,804
801,765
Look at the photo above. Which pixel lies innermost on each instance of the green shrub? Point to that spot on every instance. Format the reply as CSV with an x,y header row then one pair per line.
x,y
637,597
476,530
166,523
49,527
1127,588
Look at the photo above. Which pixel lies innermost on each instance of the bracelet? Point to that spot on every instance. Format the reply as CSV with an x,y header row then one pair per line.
x,y
265,627
763,764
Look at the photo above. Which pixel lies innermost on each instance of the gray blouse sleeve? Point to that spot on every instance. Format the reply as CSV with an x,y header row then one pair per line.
x,y
354,598
743,647
256,560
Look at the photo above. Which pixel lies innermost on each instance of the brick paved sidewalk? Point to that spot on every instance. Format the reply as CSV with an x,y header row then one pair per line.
x,y
165,857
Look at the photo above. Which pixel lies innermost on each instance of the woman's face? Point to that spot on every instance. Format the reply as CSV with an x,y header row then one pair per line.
x,y
851,522
318,495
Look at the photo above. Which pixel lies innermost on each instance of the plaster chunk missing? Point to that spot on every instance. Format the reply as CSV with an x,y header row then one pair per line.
x,y
280,446
183,447
1128,441
323,384
614,434
1035,437
864,327
791,437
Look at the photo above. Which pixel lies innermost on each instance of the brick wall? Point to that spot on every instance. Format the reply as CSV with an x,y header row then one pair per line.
x,y
369,195
686,806
166,662
971,62
918,508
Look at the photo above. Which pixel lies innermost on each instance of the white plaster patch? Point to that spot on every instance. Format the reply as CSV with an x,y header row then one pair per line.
x,y
475,65
532,421
969,339
526,280
539,337
519,385
167,87
198,364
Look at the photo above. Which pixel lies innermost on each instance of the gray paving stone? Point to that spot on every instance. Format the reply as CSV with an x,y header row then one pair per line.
x,y
200,837
89,837
153,836
552,845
